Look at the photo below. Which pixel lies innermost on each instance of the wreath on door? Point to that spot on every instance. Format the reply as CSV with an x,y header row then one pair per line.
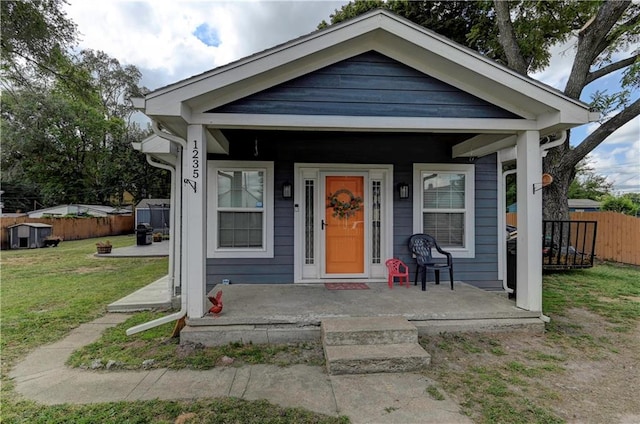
x,y
344,209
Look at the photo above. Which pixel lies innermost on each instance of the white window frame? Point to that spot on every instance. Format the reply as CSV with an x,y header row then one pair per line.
x,y
419,169
266,251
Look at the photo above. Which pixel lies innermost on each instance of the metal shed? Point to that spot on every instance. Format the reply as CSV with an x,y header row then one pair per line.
x,y
155,212
28,235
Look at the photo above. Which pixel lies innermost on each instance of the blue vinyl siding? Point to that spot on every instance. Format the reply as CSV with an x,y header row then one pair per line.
x,y
401,150
369,84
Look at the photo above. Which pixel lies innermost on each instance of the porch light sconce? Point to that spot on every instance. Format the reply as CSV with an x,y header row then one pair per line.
x,y
403,190
287,190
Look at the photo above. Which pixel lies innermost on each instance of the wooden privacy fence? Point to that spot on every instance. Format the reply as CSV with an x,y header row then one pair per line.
x,y
75,228
618,235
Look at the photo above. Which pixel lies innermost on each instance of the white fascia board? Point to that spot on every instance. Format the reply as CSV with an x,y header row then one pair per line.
x,y
483,145
393,36
163,108
363,123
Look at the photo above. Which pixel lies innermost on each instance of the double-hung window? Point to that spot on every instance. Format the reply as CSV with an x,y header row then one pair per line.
x,y
444,205
241,202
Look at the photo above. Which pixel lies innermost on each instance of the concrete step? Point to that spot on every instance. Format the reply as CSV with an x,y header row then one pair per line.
x,y
366,359
363,345
368,330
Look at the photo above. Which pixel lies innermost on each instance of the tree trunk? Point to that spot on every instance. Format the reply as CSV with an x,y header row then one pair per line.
x,y
508,39
555,205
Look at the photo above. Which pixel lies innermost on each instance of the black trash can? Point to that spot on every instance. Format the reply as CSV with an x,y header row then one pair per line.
x,y
144,234
512,255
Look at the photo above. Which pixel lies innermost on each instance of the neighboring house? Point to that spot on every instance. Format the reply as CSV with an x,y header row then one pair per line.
x,y
155,212
316,160
584,205
575,205
78,210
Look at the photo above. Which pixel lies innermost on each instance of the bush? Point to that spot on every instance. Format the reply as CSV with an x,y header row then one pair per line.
x,y
622,204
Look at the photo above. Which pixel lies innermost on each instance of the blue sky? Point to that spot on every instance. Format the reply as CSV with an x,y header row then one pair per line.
x,y
207,34
170,40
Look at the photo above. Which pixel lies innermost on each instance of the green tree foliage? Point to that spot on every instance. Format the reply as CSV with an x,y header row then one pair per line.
x,y
66,122
75,147
587,184
622,204
474,23
35,37
520,34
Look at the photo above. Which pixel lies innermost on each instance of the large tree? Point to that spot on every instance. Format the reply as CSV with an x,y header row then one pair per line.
x,y
66,119
36,34
601,50
520,34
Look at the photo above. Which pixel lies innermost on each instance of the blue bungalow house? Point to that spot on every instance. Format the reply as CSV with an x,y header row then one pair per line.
x,y
317,159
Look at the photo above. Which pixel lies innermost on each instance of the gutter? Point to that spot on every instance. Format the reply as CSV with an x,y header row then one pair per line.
x,y
547,145
176,212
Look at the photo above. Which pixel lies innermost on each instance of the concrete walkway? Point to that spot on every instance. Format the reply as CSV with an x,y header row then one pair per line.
x,y
374,398
150,297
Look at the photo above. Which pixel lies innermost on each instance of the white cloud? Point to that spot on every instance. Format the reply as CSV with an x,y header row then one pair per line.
x,y
158,36
557,73
618,158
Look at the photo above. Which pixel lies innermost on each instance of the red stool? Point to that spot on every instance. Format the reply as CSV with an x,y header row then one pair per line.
x,y
398,269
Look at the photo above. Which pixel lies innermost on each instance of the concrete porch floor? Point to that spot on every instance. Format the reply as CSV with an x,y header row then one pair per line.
x,y
280,313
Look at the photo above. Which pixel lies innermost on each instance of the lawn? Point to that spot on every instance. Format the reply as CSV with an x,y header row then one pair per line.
x,y
47,292
581,369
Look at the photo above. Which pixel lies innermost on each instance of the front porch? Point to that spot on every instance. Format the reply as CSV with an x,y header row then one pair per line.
x,y
282,313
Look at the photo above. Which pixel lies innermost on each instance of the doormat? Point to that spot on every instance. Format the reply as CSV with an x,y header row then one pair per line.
x,y
346,286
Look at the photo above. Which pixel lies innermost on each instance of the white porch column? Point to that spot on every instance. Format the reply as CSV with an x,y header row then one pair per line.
x,y
194,220
529,262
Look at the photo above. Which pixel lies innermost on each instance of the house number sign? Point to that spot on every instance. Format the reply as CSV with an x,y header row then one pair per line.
x,y
195,167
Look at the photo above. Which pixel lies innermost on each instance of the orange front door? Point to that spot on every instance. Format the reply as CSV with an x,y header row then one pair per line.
x,y
344,224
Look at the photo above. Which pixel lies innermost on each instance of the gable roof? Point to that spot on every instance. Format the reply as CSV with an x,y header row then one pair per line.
x,y
541,107
31,224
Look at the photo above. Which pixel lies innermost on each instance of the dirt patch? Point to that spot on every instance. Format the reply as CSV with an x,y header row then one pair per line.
x,y
308,353
602,377
89,270
583,371
19,260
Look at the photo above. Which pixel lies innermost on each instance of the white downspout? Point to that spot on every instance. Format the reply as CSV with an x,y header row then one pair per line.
x,y
178,214
172,251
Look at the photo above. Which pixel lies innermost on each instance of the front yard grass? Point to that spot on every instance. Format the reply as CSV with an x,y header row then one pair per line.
x,y
577,371
156,345
49,291
495,377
